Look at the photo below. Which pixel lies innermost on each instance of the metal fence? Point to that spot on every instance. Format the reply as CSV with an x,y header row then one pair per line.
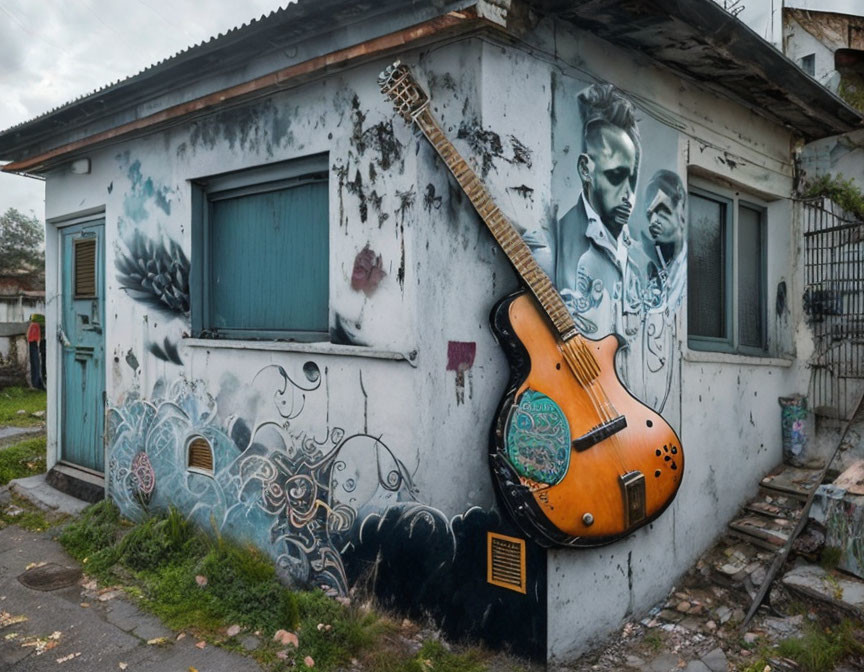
x,y
834,305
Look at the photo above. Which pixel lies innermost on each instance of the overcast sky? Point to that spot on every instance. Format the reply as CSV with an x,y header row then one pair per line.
x,y
53,51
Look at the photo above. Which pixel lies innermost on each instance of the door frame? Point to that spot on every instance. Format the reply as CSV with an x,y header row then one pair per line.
x,y
54,227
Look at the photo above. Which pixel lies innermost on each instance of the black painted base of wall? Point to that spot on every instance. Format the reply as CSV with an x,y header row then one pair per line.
x,y
418,563
64,480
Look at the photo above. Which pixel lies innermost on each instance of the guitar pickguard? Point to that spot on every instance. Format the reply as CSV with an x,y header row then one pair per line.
x,y
538,438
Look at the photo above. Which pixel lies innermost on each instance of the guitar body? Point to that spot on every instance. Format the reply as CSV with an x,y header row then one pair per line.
x,y
563,480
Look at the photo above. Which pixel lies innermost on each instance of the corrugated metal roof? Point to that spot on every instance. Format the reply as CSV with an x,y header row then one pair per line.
x,y
695,38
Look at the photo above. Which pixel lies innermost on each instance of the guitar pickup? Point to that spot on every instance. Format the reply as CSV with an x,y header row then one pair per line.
x,y
600,433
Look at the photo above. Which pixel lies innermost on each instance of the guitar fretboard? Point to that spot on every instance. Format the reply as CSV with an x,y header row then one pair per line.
x,y
534,277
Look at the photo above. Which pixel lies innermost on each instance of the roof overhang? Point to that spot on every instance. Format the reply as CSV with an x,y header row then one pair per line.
x,y
695,38
703,42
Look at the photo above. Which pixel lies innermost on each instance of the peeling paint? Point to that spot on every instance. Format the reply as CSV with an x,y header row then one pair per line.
x,y
430,200
486,146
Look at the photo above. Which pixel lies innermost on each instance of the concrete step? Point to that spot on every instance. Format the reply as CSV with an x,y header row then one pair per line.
x,y
36,490
833,588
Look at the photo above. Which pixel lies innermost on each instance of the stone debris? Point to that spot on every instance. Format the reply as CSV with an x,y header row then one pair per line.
x,y
697,627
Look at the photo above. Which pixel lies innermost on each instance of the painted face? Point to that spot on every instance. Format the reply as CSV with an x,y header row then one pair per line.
x,y
665,220
609,175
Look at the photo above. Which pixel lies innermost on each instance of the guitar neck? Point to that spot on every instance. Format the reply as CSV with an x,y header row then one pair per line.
x,y
508,238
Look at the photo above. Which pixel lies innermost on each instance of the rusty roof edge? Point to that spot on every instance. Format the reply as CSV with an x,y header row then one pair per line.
x,y
308,9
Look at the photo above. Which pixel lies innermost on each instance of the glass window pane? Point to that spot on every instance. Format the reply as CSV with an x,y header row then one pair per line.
x,y
751,310
706,268
269,257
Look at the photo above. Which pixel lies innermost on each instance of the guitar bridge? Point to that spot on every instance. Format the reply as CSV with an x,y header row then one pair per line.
x,y
633,492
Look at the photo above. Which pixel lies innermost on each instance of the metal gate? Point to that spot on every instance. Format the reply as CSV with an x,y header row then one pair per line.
x,y
834,305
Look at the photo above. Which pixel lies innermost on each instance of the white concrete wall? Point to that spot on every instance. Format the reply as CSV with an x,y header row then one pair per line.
x,y
443,275
20,310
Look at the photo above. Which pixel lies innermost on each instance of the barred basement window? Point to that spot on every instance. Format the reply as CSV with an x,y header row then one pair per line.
x,y
199,455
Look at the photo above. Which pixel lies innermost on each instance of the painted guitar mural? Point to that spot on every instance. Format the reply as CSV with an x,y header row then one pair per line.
x,y
577,460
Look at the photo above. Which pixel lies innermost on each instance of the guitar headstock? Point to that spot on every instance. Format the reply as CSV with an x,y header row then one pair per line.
x,y
399,85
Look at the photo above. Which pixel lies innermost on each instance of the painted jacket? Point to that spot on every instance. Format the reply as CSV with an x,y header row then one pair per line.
x,y
598,276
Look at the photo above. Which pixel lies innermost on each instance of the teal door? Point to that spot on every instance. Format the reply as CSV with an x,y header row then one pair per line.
x,y
83,345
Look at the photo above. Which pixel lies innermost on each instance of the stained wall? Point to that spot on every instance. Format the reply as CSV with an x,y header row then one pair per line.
x,y
368,456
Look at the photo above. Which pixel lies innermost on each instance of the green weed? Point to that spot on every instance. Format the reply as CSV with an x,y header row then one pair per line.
x,y
244,582
14,399
23,459
97,529
830,557
845,193
471,660
29,517
819,650
654,641
203,584
159,540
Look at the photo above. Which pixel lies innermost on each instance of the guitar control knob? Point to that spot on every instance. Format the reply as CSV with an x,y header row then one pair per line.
x,y
588,520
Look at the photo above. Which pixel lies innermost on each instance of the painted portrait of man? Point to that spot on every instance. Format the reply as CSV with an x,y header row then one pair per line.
x,y
666,213
589,252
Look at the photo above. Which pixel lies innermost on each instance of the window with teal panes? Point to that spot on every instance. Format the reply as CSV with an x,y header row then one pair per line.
x,y
264,250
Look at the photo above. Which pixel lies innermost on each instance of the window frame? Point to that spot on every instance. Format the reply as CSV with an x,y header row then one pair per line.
x,y
248,182
734,200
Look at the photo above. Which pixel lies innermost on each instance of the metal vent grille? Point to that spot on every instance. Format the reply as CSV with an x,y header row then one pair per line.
x,y
505,562
85,268
201,454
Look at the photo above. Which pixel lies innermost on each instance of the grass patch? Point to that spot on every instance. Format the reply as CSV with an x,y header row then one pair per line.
x,y
96,531
203,585
26,515
26,458
14,399
830,557
654,641
820,649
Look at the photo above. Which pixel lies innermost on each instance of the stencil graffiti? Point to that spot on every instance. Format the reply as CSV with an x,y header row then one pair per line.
x,y
154,273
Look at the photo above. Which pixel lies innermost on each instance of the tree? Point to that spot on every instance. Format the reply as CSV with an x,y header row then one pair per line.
x,y
21,238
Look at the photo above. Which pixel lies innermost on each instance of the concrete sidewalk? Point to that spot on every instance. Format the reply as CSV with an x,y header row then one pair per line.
x,y
55,631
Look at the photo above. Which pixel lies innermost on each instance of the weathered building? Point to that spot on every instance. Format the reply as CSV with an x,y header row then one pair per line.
x,y
283,296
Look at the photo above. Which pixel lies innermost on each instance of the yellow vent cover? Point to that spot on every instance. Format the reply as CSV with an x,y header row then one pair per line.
x,y
505,561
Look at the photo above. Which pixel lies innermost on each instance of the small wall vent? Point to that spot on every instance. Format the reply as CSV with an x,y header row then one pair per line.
x,y
85,268
505,562
200,455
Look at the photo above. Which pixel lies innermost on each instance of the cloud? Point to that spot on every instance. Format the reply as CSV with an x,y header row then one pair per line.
x,y
54,51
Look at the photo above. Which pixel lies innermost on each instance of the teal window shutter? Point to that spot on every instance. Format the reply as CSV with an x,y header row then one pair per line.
x,y
265,253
